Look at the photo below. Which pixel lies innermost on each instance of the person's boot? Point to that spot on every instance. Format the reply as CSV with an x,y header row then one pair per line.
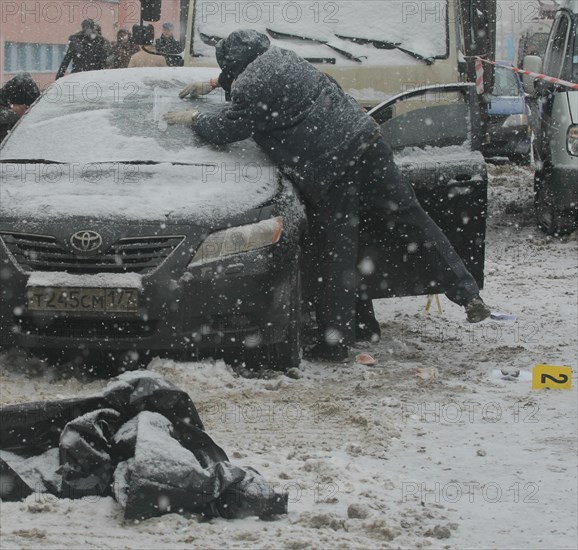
x,y
367,330
477,310
366,325
325,352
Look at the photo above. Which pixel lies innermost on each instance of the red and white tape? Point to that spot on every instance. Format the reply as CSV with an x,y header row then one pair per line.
x,y
479,75
537,76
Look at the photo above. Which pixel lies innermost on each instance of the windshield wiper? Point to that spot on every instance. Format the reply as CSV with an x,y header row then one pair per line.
x,y
283,36
385,45
147,162
171,55
150,162
30,161
212,40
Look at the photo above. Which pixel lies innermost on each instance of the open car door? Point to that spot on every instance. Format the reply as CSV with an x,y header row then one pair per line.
x,y
435,136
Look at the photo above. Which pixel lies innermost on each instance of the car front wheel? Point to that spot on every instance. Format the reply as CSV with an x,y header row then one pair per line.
x,y
283,355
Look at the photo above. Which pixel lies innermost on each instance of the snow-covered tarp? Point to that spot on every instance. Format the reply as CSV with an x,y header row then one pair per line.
x,y
140,440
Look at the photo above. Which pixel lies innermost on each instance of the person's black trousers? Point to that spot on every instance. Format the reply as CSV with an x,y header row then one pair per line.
x,y
373,184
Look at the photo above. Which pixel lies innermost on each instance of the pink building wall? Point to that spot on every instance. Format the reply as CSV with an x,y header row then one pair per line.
x,y
53,21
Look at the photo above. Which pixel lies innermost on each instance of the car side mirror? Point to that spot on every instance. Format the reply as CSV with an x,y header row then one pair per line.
x,y
532,63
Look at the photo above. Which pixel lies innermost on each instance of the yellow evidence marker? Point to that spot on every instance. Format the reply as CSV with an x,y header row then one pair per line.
x,y
551,376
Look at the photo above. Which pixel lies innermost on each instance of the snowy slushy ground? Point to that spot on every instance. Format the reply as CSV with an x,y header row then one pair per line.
x,y
464,460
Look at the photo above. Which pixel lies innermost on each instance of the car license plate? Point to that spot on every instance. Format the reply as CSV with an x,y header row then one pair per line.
x,y
91,300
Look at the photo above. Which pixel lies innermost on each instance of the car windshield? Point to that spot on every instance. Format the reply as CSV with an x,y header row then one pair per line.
x,y
116,116
505,83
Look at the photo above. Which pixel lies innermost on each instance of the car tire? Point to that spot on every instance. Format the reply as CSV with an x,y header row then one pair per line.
x,y
550,220
287,354
283,355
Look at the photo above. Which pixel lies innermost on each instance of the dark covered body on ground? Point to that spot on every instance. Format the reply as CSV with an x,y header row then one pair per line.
x,y
141,440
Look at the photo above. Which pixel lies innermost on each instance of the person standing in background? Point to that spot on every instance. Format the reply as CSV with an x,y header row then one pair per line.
x,y
122,50
87,50
15,97
167,44
150,58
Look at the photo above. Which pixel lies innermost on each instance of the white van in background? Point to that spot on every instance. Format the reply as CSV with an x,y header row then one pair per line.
x,y
556,126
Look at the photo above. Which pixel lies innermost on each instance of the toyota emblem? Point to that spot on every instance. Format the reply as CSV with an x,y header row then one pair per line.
x,y
86,241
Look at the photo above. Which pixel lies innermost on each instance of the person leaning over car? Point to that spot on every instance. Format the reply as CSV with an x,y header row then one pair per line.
x,y
15,97
339,160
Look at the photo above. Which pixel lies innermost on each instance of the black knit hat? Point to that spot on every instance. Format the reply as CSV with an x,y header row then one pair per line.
x,y
237,51
88,24
21,90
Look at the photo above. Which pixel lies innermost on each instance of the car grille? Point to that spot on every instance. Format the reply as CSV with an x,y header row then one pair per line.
x,y
131,254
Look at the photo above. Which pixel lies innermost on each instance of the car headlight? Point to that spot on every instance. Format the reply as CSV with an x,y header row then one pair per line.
x,y
516,120
572,140
239,239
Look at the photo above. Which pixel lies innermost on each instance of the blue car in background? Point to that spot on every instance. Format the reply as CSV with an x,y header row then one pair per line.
x,y
509,129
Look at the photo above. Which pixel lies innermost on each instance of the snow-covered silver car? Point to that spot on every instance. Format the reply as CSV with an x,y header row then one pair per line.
x,y
120,235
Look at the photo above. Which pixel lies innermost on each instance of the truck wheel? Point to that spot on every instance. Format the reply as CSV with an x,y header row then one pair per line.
x,y
550,220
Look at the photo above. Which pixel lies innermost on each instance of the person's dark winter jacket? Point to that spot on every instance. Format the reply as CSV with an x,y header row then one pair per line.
x,y
122,50
20,90
304,122
87,51
168,44
8,118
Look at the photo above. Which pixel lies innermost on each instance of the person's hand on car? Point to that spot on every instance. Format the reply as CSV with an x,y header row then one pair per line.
x,y
184,118
196,89
19,109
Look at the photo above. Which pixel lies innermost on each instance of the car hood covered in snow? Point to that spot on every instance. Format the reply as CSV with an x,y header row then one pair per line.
x,y
96,145
170,193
